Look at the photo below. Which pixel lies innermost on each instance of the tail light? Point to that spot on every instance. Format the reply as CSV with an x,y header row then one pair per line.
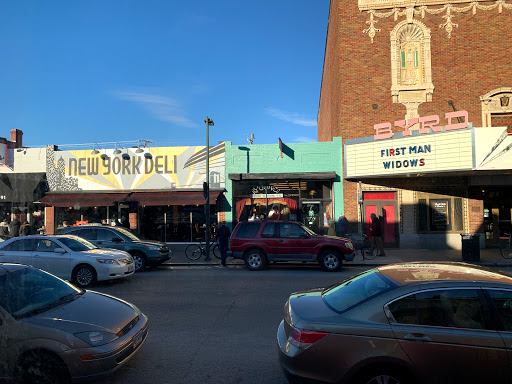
x,y
305,339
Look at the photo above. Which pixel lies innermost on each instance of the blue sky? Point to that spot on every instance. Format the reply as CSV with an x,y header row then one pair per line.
x,y
105,71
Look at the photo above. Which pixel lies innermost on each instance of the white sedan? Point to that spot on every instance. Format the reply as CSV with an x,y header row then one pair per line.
x,y
68,257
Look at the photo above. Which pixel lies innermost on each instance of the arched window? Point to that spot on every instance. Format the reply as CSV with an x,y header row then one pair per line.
x,y
411,66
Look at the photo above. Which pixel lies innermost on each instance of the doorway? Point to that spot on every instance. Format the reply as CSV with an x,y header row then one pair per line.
x,y
384,205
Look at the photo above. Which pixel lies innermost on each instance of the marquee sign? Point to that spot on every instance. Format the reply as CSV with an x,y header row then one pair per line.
x,y
431,148
164,168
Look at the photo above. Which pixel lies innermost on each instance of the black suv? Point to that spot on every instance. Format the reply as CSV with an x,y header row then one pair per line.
x,y
144,252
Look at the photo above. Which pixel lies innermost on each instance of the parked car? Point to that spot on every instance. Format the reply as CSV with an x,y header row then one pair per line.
x,y
402,323
144,252
259,242
53,332
68,257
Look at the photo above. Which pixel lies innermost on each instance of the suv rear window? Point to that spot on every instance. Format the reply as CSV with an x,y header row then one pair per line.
x,y
248,230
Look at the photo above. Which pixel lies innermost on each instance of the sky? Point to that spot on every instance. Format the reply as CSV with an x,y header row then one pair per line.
x,y
78,72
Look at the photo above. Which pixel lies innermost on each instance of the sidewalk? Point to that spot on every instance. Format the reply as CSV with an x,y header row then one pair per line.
x,y
490,257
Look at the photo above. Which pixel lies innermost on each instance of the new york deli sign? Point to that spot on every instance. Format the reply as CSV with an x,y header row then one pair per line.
x,y
430,147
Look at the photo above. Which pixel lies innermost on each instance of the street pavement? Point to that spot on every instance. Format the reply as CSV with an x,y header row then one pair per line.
x,y
490,257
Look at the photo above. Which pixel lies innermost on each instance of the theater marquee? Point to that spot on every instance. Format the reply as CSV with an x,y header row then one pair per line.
x,y
414,153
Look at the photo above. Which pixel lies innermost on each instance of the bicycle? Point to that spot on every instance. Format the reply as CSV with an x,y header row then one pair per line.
x,y
363,245
506,247
195,251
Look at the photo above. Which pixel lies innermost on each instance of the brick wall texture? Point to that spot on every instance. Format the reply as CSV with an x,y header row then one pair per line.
x,y
356,81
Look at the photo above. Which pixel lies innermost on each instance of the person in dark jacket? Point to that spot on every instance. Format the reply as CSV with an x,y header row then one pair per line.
x,y
14,227
223,234
376,235
4,228
25,229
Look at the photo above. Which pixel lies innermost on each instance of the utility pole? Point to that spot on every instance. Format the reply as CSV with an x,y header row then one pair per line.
x,y
208,122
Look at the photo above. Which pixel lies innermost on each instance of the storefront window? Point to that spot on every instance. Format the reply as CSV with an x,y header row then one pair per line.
x,y
309,202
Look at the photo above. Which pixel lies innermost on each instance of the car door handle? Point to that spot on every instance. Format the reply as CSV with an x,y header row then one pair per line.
x,y
417,337
37,256
281,240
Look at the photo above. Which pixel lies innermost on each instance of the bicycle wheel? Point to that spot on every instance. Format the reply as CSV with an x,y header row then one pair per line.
x,y
193,251
506,251
367,245
216,251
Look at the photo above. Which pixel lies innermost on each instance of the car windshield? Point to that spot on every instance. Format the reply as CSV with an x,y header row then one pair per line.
x,y
356,290
308,230
77,244
128,234
29,291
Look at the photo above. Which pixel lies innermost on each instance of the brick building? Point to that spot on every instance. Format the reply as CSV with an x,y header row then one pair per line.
x,y
398,65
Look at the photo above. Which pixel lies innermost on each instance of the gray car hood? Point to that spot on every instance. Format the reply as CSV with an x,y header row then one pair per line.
x,y
92,311
104,252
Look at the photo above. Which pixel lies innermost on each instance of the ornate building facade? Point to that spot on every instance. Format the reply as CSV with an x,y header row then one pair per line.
x,y
428,74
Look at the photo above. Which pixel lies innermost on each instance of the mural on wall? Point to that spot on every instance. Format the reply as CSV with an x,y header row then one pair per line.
x,y
161,168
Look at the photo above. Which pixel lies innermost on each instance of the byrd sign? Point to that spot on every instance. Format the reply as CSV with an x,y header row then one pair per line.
x,y
431,148
384,130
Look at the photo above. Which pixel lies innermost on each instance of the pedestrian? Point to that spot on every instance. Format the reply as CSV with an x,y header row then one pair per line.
x,y
223,234
341,226
4,228
104,222
25,229
14,227
376,236
65,224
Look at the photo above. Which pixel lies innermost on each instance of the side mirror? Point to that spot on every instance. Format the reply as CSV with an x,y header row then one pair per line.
x,y
59,250
304,236
117,240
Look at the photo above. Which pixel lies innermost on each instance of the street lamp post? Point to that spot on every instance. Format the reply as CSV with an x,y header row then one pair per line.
x,y
208,122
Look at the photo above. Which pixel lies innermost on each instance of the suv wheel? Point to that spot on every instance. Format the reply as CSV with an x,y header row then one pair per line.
x,y
330,260
255,259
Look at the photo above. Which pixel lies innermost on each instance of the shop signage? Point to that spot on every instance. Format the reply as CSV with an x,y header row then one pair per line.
x,y
427,125
265,189
449,150
266,195
160,168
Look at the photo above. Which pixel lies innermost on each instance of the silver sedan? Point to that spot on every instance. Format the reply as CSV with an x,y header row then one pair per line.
x,y
68,257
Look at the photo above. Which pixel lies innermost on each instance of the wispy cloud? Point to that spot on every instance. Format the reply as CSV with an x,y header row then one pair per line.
x,y
303,139
160,107
294,118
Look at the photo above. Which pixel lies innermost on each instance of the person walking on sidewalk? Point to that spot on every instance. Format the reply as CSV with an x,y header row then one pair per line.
x,y
376,236
223,234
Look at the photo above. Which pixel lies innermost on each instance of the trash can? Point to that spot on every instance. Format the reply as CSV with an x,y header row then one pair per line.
x,y
470,247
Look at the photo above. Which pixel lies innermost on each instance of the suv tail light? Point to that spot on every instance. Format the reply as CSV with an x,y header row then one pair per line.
x,y
305,339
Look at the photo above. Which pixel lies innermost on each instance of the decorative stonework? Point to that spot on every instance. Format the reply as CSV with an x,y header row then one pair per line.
x,y
498,101
411,69
420,8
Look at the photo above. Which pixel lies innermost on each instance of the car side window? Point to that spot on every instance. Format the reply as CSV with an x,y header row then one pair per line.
x,y
86,233
248,230
105,234
20,245
503,303
43,245
455,308
269,230
290,230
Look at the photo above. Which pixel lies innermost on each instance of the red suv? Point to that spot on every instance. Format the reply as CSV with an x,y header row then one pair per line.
x,y
258,242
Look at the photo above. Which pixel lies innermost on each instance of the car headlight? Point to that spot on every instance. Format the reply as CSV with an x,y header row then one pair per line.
x,y
349,245
107,261
154,247
96,338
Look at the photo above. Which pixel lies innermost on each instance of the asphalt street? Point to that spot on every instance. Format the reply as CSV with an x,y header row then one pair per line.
x,y
210,324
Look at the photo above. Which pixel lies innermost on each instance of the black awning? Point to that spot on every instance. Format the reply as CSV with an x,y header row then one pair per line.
x,y
21,187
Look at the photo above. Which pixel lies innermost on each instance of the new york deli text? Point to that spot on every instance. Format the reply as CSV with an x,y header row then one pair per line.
x,y
135,165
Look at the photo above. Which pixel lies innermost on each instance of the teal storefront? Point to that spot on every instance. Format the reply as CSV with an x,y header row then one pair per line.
x,y
300,182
